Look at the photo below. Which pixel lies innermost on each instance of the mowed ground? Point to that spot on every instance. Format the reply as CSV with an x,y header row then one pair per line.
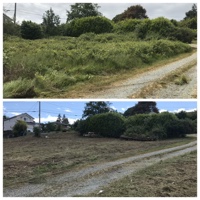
x,y
32,160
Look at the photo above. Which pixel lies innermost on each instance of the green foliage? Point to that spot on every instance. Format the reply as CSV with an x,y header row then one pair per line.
x,y
20,128
132,12
182,34
107,124
189,23
50,127
89,24
36,131
53,65
94,108
152,126
83,126
10,28
181,80
128,25
80,10
162,26
31,30
50,23
142,108
191,13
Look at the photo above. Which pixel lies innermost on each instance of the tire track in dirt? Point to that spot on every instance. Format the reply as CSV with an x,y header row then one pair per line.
x,y
134,85
93,178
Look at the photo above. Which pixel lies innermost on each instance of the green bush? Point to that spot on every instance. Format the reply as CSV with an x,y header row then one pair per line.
x,y
128,25
182,34
189,23
20,128
161,26
178,128
31,30
36,131
83,126
89,24
10,28
107,124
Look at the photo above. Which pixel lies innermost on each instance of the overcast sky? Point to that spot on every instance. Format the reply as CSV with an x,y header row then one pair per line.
x,y
73,110
35,11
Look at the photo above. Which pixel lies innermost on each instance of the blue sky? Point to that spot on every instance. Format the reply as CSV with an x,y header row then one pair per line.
x,y
73,110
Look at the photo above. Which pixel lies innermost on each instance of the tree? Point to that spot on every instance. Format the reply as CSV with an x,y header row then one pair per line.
x,y
59,118
93,108
50,23
20,128
142,108
192,13
31,30
80,10
133,12
65,120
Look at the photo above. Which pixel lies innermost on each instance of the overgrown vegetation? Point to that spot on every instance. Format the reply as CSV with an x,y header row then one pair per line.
x,y
104,47
155,126
52,65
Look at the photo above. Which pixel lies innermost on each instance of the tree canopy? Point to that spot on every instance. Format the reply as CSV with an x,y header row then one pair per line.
x,y
191,13
50,22
142,108
93,108
79,10
133,12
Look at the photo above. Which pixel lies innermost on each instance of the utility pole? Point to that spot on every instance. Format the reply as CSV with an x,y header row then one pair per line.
x,y
15,13
39,115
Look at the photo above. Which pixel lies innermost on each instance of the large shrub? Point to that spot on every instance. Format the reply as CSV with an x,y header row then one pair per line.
x,y
107,124
162,26
20,128
156,126
182,34
31,30
128,25
89,24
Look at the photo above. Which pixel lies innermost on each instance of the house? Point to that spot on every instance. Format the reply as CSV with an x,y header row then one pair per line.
x,y
10,122
7,19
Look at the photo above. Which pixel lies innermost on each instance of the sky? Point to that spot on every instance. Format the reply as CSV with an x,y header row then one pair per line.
x,y
73,110
35,11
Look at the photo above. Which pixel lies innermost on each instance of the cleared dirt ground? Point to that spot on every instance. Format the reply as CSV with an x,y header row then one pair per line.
x,y
30,161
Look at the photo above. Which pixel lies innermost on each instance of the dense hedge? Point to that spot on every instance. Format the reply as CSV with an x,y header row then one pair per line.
x,y
158,28
105,124
88,24
157,126
31,30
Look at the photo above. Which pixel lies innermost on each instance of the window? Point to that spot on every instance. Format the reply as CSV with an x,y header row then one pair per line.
x,y
25,119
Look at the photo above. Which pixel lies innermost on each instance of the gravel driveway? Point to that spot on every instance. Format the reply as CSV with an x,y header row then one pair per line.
x,y
134,85
93,178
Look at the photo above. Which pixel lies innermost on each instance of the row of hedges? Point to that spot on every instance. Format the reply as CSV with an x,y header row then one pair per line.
x,y
138,127
144,29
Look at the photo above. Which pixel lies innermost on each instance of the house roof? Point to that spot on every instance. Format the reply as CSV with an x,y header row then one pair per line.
x,y
18,116
6,17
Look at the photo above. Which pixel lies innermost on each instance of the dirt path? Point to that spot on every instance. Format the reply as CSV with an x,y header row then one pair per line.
x,y
128,88
185,91
93,178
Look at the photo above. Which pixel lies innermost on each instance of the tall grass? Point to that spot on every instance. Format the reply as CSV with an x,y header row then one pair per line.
x,y
56,63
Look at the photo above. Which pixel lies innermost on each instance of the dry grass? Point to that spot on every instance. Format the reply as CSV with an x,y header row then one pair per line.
x,y
177,76
175,177
30,159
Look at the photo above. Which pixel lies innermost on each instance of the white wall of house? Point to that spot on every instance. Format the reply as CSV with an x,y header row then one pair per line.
x,y
9,123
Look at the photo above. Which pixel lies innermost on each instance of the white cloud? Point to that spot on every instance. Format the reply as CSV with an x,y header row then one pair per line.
x,y
68,110
113,107
183,109
15,113
49,118
58,108
162,110
71,120
123,109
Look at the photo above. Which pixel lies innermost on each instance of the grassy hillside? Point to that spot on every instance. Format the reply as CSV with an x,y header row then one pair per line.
x,y
42,67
